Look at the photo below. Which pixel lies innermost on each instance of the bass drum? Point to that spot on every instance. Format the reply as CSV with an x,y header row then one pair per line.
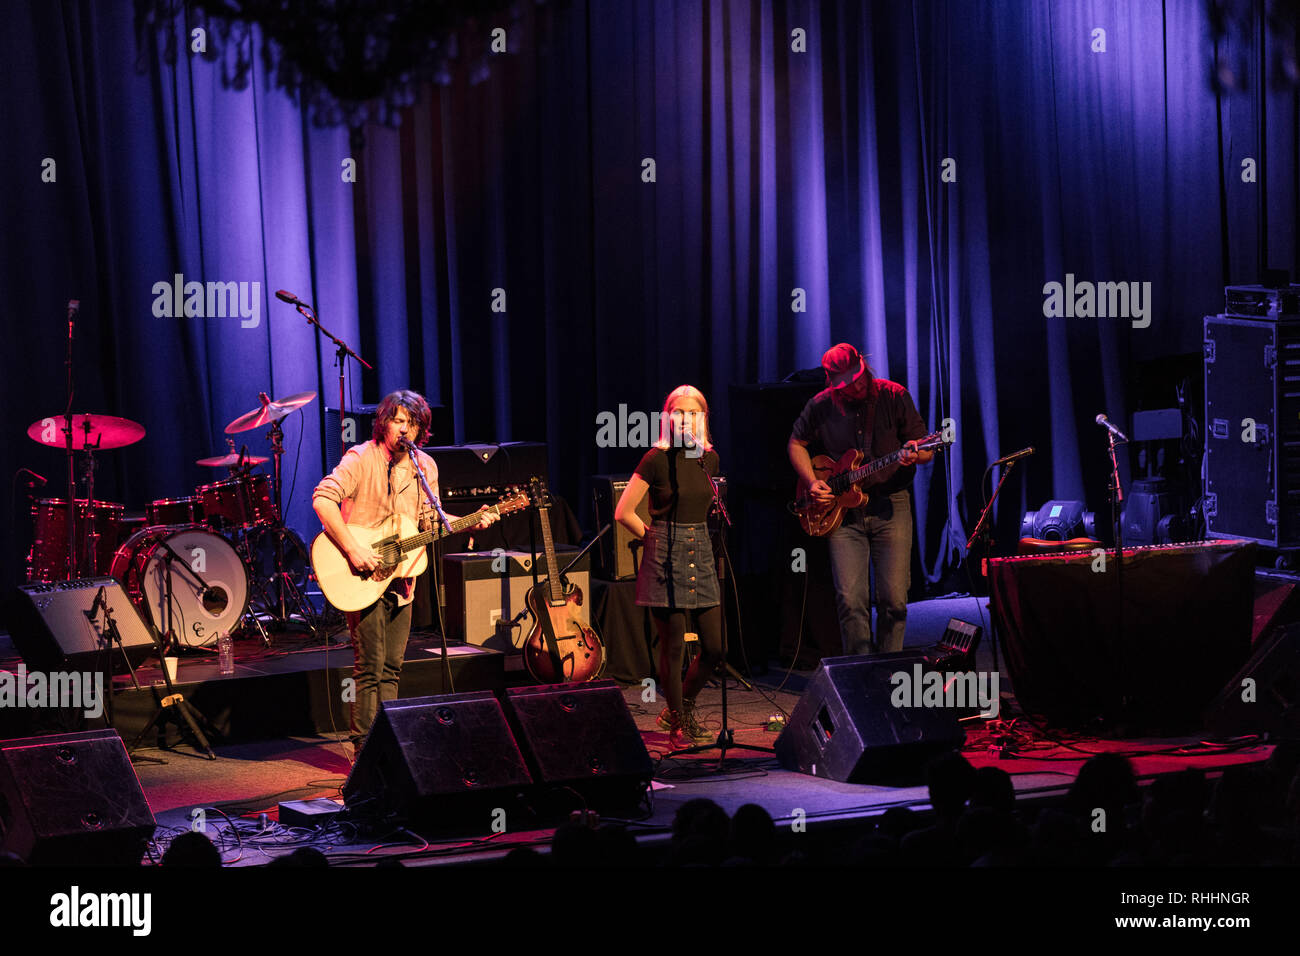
x,y
209,581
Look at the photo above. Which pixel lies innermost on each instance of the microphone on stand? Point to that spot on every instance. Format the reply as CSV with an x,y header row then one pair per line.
x,y
99,603
694,447
289,297
1014,456
1104,422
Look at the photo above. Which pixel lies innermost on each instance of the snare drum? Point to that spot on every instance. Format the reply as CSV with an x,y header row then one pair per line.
x,y
174,511
209,582
238,502
49,556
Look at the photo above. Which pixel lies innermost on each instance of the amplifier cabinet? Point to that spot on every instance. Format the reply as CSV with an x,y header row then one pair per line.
x,y
617,559
1252,429
485,471
484,588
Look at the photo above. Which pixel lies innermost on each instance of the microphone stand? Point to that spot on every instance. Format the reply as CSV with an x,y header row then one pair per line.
x,y
726,739
984,529
72,562
341,355
436,503
1116,500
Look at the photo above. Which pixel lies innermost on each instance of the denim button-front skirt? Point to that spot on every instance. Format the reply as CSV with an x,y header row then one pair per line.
x,y
680,573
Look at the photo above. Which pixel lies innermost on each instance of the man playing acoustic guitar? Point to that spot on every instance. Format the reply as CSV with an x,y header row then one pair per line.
x,y
877,417
374,481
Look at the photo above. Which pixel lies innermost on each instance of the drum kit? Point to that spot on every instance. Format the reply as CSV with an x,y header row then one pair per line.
x,y
196,566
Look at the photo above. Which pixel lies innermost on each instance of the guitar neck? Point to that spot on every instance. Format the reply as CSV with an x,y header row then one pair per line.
x,y
548,545
870,468
425,538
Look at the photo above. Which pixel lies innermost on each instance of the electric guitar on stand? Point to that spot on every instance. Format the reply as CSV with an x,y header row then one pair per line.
x,y
560,648
845,477
401,549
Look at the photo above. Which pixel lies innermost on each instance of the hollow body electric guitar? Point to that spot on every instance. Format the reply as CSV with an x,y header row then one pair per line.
x,y
560,648
400,545
845,478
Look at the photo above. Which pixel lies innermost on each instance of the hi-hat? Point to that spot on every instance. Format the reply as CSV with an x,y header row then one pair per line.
x,y
271,411
232,459
99,432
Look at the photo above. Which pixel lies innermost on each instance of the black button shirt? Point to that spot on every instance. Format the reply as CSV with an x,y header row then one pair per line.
x,y
832,428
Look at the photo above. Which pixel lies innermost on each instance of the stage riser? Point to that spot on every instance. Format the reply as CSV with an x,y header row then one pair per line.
x,y
269,706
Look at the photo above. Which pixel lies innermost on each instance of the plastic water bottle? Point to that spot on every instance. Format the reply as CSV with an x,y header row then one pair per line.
x,y
226,653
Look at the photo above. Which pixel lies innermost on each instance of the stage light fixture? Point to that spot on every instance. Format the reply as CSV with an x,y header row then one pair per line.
x,y
1059,521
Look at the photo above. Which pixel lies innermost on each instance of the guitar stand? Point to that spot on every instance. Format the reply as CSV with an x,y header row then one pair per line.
x,y
171,704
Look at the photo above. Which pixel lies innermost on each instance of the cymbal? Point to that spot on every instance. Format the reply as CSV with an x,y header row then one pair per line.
x,y
100,432
229,460
271,411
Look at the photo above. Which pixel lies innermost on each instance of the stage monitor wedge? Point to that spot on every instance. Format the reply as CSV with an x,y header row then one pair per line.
x,y
442,762
846,727
582,738
72,799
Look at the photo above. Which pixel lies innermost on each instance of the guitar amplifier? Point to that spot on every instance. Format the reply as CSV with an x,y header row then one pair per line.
x,y
484,588
485,471
616,558
52,626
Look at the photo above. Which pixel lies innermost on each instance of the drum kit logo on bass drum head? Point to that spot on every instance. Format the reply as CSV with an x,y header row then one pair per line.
x,y
215,561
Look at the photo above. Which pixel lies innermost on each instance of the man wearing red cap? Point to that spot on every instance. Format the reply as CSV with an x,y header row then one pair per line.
x,y
877,417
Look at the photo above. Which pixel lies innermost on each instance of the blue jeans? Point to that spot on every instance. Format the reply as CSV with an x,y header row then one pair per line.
x,y
879,535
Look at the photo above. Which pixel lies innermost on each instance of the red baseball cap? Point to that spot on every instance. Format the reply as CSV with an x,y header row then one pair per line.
x,y
843,366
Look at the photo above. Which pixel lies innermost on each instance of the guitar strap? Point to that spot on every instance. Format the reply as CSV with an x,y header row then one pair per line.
x,y
867,446
869,430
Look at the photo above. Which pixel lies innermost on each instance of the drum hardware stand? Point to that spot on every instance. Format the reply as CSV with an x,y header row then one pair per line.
x,y
73,306
310,616
251,615
90,558
283,583
726,739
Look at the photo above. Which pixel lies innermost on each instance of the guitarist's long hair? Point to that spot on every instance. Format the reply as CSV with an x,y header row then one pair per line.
x,y
666,423
416,407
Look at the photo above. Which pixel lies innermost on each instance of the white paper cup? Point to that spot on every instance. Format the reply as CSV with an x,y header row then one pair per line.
x,y
170,663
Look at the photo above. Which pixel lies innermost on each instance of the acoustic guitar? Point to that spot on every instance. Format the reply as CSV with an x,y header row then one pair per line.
x,y
401,549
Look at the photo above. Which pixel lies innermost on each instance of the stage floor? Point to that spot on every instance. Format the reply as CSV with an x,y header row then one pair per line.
x,y
251,779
